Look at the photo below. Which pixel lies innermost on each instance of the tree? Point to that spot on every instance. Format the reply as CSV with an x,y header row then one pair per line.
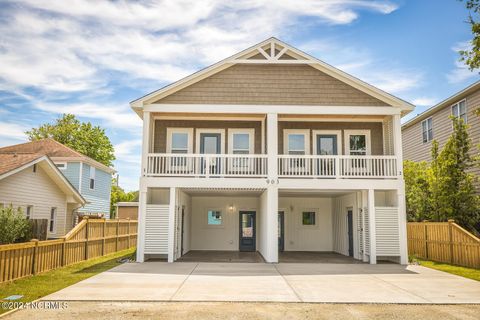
x,y
80,136
13,225
119,195
444,189
471,57
417,190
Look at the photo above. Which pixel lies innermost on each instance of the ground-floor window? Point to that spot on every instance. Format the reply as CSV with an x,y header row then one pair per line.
x,y
53,219
308,218
214,217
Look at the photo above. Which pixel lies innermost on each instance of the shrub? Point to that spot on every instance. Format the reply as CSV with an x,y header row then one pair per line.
x,y
14,226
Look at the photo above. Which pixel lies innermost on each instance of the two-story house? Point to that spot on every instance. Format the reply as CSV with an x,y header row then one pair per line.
x,y
92,179
435,124
272,150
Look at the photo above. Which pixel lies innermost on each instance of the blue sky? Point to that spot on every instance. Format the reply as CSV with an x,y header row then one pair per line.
x,y
91,58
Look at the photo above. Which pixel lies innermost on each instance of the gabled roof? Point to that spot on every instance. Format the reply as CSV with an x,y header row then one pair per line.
x,y
55,150
11,163
445,103
271,51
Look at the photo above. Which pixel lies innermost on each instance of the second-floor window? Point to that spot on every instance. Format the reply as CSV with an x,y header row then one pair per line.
x,y
427,130
297,142
92,177
240,141
179,142
459,110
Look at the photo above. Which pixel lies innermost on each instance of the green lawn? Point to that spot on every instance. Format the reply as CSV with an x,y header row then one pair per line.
x,y
459,271
43,284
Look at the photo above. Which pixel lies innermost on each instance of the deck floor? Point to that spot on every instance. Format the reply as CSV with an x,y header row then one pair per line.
x,y
255,257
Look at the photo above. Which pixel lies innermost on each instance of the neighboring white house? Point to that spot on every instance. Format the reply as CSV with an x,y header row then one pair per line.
x,y
272,150
32,182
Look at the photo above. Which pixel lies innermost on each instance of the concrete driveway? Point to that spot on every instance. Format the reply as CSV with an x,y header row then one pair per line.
x,y
284,282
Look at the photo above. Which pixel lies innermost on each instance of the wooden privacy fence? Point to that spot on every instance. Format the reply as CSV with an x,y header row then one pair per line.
x,y
89,239
443,242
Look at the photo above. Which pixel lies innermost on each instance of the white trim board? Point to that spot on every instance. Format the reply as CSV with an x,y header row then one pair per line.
x,y
280,109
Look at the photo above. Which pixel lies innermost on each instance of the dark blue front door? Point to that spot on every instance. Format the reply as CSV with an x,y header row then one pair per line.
x,y
247,231
350,232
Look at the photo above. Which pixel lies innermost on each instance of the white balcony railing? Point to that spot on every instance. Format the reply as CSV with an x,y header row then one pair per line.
x,y
316,166
207,165
255,165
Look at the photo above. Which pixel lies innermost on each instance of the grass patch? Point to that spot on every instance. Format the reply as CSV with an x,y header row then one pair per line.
x,y
43,284
459,271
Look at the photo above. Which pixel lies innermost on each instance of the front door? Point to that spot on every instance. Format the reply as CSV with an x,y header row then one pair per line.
x,y
350,232
281,231
210,144
247,231
326,146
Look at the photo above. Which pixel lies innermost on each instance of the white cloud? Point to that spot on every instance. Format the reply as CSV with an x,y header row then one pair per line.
x,y
424,101
11,133
118,116
460,73
70,46
128,151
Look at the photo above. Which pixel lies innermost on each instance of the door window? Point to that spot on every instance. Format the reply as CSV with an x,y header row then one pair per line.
x,y
327,144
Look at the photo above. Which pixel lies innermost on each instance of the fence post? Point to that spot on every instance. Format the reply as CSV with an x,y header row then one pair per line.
x,y
35,257
128,232
426,238
64,258
450,238
86,238
103,236
116,240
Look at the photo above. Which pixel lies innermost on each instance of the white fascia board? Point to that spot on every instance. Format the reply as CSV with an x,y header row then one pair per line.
x,y
280,109
166,182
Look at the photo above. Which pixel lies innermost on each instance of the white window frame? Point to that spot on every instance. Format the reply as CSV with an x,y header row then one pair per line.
x,y
365,132
91,176
313,226
288,132
251,139
63,165
421,128
338,133
198,132
171,131
222,214
52,228
29,215
458,106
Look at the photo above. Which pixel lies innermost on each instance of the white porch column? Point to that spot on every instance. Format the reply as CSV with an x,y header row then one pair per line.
x,y
271,219
272,146
364,205
142,211
371,226
397,143
171,224
146,141
402,224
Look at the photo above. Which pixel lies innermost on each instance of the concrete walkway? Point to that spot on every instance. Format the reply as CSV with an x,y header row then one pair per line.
x,y
284,282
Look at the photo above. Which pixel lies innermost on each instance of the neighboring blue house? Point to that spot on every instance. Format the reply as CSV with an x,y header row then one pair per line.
x,y
92,179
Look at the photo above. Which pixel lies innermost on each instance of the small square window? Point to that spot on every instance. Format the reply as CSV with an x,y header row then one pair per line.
x,y
214,217
308,218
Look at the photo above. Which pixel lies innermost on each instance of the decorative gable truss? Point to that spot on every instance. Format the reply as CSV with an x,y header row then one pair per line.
x,y
272,52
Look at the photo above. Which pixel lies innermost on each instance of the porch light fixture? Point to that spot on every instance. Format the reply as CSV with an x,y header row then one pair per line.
x,y
230,208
